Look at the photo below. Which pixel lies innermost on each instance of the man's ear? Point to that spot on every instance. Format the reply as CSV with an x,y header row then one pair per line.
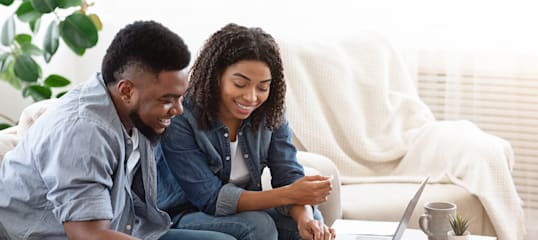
x,y
126,90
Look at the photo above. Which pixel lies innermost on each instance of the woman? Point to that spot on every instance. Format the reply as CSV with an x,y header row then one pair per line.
x,y
232,127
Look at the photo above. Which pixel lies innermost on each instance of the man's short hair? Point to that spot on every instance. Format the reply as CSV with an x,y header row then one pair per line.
x,y
147,45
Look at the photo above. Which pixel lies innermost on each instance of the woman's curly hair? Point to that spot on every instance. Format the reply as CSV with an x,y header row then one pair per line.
x,y
229,45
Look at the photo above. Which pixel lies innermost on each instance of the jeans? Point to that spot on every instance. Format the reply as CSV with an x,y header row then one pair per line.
x,y
287,227
246,225
186,234
3,232
252,225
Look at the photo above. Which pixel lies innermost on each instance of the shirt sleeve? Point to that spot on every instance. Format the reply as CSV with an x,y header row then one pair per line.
x,y
282,161
190,167
77,163
282,158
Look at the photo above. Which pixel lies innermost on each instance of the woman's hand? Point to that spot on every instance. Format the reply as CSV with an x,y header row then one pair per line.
x,y
310,190
315,230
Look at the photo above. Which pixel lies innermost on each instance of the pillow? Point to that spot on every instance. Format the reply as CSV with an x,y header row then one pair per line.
x,y
8,141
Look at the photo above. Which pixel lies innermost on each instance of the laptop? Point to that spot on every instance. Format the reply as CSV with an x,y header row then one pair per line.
x,y
402,225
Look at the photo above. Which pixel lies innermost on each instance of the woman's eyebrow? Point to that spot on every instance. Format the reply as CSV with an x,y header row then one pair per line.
x,y
248,79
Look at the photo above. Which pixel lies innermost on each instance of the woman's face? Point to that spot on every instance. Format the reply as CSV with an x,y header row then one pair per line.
x,y
244,86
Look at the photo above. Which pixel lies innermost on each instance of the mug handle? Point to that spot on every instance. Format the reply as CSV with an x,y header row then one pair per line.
x,y
423,223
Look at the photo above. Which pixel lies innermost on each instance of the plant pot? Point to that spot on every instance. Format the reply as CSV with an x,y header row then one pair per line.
x,y
452,236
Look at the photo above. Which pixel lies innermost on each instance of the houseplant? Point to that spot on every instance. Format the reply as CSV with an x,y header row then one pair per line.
x,y
21,58
459,225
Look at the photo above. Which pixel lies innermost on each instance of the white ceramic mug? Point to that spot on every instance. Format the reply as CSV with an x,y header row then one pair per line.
x,y
435,220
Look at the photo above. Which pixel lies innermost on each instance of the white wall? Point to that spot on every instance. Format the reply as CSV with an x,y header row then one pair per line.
x,y
459,24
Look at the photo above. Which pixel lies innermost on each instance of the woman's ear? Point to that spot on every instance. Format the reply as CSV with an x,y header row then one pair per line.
x,y
126,90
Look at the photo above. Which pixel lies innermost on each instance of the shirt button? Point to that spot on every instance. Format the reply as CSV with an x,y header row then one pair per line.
x,y
240,133
226,135
128,227
129,141
228,158
245,156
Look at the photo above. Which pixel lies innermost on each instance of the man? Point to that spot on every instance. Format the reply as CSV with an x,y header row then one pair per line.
x,y
86,168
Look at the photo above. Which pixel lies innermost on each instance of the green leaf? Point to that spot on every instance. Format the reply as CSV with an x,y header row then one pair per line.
x,y
31,49
78,32
27,13
9,76
51,42
4,62
8,31
6,2
59,95
11,79
35,24
97,21
37,92
55,80
4,126
26,68
69,3
23,38
44,6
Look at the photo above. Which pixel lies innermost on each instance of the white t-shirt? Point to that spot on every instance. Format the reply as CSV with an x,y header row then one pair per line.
x,y
239,172
133,159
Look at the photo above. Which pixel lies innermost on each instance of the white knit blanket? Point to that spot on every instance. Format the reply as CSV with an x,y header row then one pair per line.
x,y
353,101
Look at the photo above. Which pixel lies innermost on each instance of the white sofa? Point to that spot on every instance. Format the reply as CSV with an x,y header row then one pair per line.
x,y
372,135
384,201
352,99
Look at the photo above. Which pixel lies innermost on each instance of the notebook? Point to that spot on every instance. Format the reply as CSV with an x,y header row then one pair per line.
x,y
402,225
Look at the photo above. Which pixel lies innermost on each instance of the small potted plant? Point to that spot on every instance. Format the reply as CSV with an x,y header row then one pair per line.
x,y
459,225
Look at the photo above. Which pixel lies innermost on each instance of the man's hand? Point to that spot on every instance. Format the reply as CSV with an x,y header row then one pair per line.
x,y
315,230
310,190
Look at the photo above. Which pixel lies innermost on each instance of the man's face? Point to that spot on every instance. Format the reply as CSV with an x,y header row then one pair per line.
x,y
157,101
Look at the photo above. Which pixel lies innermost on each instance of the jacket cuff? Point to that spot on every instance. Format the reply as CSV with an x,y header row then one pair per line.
x,y
227,199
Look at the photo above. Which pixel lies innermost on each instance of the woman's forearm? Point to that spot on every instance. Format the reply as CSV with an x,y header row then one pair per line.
x,y
309,190
260,200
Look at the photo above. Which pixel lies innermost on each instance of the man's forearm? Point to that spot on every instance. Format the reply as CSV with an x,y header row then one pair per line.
x,y
301,213
90,230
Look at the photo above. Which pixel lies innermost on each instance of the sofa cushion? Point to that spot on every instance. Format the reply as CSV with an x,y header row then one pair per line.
x,y
10,137
387,202
8,140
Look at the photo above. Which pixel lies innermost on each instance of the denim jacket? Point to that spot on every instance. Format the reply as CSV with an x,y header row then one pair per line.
x,y
194,169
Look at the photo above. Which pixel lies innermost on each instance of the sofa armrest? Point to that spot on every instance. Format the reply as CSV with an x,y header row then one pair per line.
x,y
332,209
317,164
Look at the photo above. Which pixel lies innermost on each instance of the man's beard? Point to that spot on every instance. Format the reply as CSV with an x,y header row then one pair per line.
x,y
146,130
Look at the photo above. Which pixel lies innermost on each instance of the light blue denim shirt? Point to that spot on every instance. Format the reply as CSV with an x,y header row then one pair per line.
x,y
194,169
70,166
